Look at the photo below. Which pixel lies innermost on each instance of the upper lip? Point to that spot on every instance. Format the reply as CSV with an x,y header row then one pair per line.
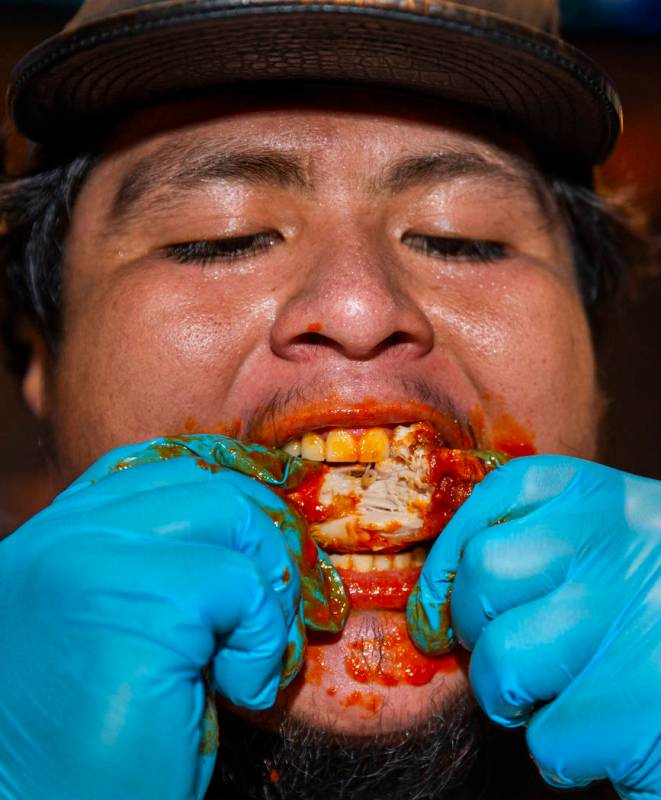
x,y
275,431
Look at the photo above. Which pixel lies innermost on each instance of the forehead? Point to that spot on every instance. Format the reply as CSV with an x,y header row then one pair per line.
x,y
338,126
254,105
360,142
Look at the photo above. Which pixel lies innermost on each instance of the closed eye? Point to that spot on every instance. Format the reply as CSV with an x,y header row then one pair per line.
x,y
456,249
210,251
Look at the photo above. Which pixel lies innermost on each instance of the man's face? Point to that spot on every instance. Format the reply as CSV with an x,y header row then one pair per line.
x,y
266,269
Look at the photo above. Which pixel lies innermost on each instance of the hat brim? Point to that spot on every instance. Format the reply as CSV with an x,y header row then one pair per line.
x,y
535,82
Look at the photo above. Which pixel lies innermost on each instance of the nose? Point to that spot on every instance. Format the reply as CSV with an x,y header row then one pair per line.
x,y
353,300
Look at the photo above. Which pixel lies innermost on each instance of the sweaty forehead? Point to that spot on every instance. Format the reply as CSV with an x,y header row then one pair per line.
x,y
260,109
296,140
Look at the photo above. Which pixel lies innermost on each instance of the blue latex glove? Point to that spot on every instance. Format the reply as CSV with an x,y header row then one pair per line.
x,y
554,570
156,579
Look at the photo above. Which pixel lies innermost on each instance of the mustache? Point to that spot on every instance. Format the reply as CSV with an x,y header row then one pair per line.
x,y
285,402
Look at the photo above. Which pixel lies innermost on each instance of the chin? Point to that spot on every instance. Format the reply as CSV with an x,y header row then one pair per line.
x,y
370,681
368,715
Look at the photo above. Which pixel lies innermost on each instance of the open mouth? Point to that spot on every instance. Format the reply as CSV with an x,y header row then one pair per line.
x,y
379,497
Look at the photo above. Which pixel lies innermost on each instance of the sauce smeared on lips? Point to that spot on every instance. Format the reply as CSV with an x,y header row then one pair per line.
x,y
337,413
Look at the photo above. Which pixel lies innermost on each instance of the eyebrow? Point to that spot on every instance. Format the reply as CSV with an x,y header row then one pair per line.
x,y
449,165
187,167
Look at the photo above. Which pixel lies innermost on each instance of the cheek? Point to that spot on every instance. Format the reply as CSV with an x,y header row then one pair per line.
x,y
141,360
527,348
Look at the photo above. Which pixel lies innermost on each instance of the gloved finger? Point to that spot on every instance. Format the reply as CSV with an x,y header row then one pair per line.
x,y
242,616
135,468
325,604
165,463
126,457
530,654
199,512
216,509
187,600
605,724
208,452
211,512
295,652
209,739
511,491
248,665
505,566
269,465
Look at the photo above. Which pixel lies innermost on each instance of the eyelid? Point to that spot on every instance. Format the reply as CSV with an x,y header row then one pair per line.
x,y
457,248
224,249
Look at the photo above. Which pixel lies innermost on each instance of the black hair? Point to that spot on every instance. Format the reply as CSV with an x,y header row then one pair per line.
x,y
35,213
36,210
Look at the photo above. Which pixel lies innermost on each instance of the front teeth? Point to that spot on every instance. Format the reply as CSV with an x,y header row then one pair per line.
x,y
342,446
293,447
365,562
374,446
313,447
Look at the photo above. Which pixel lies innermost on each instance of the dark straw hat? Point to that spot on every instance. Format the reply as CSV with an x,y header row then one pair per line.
x,y
504,57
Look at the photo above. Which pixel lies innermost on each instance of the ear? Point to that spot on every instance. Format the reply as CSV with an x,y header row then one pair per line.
x,y
34,382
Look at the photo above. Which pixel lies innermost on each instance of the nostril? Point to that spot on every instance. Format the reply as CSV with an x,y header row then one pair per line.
x,y
310,337
396,338
386,325
396,341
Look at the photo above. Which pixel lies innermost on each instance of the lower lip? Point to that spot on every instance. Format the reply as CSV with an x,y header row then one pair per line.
x,y
386,589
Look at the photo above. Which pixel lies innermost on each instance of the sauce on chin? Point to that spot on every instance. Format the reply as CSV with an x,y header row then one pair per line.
x,y
369,679
391,659
379,654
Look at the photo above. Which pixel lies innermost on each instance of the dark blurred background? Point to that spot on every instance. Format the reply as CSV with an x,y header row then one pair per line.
x,y
624,36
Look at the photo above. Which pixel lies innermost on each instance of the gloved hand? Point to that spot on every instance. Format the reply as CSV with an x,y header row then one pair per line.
x,y
156,579
554,570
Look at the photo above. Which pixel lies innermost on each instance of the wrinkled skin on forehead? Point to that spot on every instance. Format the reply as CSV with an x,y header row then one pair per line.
x,y
349,294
